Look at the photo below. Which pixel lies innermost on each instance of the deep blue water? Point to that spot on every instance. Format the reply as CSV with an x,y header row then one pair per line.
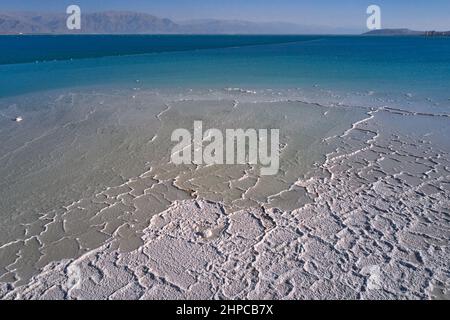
x,y
31,48
349,63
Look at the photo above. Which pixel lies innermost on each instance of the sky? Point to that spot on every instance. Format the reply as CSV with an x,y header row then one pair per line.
x,y
413,14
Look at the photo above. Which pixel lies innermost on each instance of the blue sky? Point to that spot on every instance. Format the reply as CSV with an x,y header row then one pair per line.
x,y
414,14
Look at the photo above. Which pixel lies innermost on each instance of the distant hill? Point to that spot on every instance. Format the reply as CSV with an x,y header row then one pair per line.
x,y
126,22
104,22
236,26
405,32
215,26
123,22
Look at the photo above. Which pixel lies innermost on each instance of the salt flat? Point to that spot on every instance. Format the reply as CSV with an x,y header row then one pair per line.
x,y
359,210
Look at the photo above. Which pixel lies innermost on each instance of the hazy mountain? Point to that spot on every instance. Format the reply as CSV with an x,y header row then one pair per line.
x,y
124,22
103,22
246,27
406,32
114,22
394,32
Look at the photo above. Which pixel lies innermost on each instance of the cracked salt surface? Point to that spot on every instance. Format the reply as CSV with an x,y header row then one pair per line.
x,y
369,221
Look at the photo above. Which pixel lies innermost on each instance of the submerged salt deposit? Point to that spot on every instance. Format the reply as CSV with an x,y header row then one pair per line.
x,y
359,209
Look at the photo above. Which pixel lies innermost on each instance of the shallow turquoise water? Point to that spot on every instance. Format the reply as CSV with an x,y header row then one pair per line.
x,y
399,65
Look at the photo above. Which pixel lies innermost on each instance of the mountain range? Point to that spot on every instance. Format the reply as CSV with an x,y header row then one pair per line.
x,y
124,22
127,22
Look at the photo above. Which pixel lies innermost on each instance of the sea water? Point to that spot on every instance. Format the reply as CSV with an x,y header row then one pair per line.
x,y
411,66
